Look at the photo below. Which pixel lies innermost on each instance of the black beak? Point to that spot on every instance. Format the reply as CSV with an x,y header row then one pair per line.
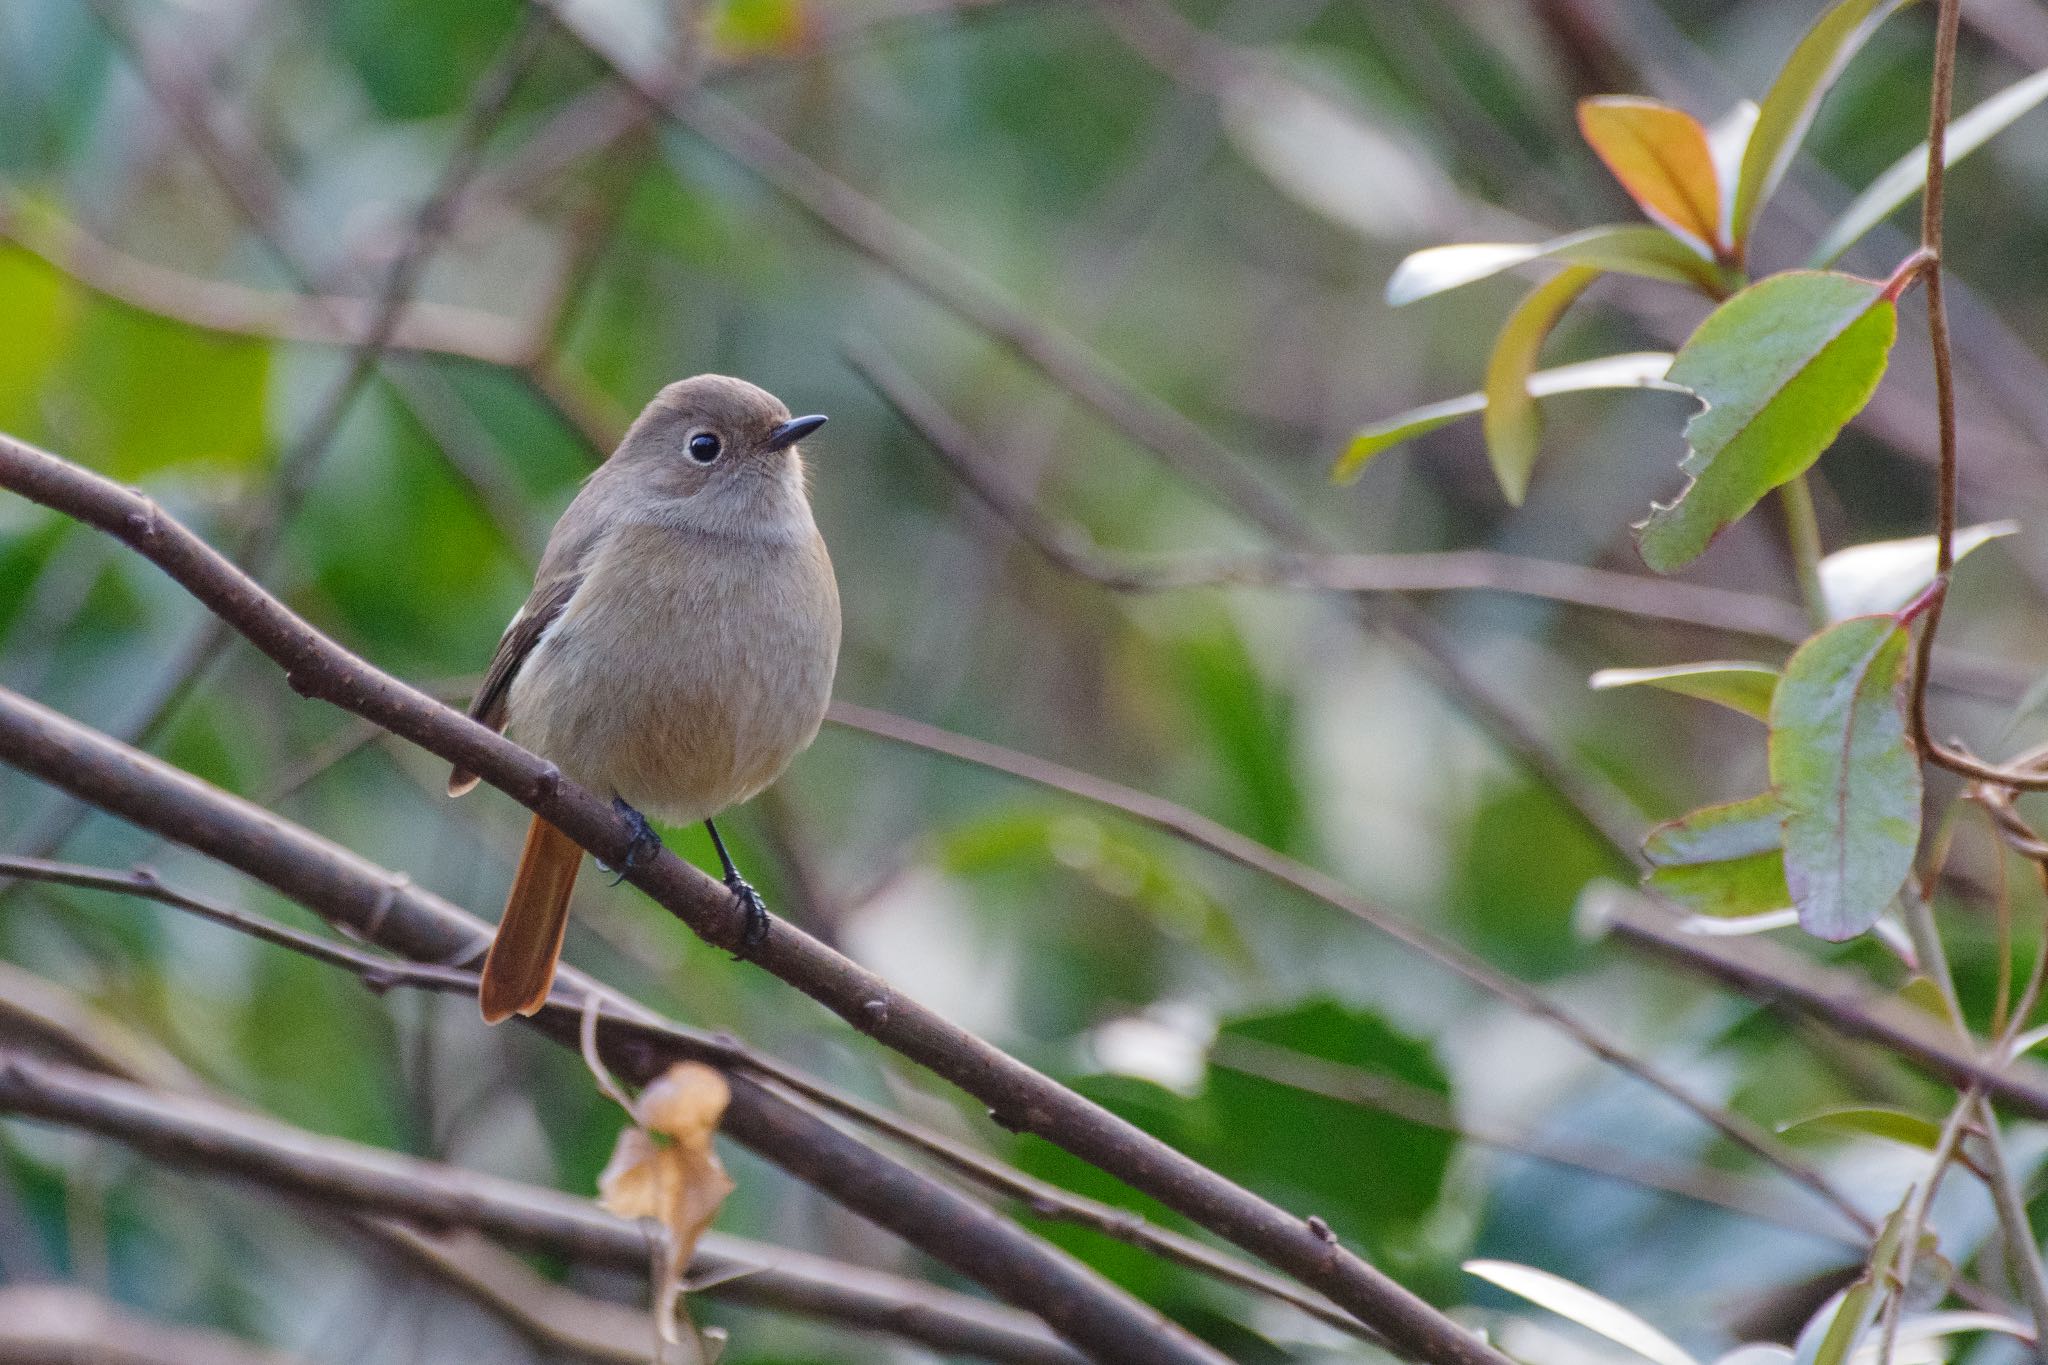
x,y
792,431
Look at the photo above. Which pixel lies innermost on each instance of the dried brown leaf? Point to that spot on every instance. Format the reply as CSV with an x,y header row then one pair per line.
x,y
665,1168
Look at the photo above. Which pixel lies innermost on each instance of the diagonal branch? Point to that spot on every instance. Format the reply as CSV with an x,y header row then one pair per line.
x,y
385,908
267,512
1019,1096
1044,1199
1203,832
1071,549
1783,981
57,1025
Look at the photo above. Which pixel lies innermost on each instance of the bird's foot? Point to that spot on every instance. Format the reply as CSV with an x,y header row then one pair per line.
x,y
646,844
755,929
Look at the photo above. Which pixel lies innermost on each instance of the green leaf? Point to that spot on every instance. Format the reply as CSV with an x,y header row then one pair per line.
x,y
1884,575
1743,687
1513,427
1629,250
1724,861
1661,157
1788,108
1846,775
38,310
1634,370
1830,1336
1576,1304
1372,1175
144,393
1908,174
1893,1125
1781,367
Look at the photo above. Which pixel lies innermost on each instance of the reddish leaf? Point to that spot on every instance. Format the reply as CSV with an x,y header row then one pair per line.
x,y
1660,156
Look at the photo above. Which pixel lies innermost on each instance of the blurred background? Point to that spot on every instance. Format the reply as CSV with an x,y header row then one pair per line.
x,y
1187,214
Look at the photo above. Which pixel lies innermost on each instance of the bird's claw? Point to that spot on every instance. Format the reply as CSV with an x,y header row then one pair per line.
x,y
646,843
755,913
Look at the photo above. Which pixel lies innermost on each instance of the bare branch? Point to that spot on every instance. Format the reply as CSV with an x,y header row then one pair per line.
x,y
1219,839
1071,549
54,1322
55,1023
239,310
1022,1098
1044,1199
388,910
1784,981
432,1196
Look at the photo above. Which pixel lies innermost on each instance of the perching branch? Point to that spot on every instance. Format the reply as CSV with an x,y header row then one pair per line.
x,y
434,1197
1044,1199
384,908
1020,1097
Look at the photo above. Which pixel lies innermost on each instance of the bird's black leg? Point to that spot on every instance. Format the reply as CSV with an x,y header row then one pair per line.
x,y
751,905
646,843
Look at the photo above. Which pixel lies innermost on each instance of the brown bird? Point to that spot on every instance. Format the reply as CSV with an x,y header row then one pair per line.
x,y
675,654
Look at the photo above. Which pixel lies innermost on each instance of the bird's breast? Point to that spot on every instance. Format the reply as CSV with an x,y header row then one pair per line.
x,y
687,670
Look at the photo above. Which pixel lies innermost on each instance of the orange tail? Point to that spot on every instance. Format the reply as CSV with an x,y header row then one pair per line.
x,y
521,965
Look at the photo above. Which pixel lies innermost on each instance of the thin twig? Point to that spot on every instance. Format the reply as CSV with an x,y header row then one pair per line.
x,y
63,1322
1991,1163
1782,980
1425,1108
1044,1199
385,909
1898,1279
378,973
267,513
1070,548
1203,832
1802,535
431,1195
1933,208
1021,1097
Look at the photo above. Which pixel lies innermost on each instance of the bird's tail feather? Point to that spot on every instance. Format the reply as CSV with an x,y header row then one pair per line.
x,y
521,966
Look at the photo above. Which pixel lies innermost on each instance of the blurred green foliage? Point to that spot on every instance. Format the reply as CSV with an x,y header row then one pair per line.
x,y
1225,252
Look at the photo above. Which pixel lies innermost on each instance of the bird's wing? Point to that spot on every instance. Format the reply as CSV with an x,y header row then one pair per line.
x,y
547,602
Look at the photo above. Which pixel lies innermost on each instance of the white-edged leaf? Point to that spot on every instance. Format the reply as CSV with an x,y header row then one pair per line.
x,y
1737,926
1872,1120
1883,576
1930,1327
1741,687
1906,175
1726,860
1727,140
1632,370
1787,109
1630,249
1583,1306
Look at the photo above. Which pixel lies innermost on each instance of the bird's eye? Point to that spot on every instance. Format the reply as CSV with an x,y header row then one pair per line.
x,y
704,447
